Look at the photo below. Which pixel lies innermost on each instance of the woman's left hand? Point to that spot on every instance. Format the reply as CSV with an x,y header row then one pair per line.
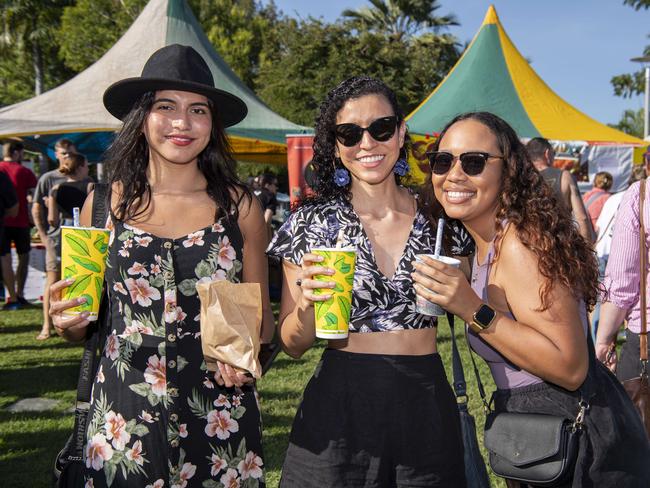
x,y
228,377
450,288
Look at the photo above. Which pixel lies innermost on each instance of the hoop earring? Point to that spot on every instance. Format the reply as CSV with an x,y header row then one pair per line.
x,y
341,175
401,167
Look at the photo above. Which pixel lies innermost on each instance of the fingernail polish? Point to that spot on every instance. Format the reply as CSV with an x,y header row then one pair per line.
x,y
81,300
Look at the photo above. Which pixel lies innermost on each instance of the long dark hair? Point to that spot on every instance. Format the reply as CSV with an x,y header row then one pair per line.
x,y
323,161
543,225
127,159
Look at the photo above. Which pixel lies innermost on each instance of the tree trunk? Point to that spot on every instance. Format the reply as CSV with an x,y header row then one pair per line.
x,y
37,62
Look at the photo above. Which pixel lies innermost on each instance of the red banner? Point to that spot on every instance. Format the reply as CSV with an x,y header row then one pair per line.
x,y
299,154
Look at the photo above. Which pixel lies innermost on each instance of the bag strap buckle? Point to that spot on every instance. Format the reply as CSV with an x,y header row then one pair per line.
x,y
580,418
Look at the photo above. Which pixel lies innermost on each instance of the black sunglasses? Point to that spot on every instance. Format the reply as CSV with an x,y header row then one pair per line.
x,y
381,130
473,163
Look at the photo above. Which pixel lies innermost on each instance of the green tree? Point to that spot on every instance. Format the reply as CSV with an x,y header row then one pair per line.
x,y
91,27
400,19
631,123
314,56
28,45
637,4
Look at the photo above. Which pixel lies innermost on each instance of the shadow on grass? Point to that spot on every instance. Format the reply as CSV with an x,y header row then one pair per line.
x,y
31,466
36,381
38,346
18,329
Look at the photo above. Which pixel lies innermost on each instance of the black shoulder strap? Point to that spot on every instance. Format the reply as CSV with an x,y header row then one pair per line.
x,y
96,332
100,207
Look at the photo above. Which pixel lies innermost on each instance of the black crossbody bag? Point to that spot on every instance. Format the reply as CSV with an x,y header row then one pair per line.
x,y
533,448
68,469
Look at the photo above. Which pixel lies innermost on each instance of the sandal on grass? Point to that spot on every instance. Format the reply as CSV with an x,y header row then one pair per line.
x,y
43,336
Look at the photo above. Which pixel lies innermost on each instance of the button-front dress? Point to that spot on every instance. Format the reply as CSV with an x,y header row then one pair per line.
x,y
158,418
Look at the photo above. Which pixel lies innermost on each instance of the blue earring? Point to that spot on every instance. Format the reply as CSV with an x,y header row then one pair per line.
x,y
341,176
401,167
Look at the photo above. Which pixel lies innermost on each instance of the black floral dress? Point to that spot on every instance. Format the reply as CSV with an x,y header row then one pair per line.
x,y
158,418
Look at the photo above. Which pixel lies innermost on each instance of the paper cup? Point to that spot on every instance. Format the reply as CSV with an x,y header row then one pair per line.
x,y
83,257
333,315
424,306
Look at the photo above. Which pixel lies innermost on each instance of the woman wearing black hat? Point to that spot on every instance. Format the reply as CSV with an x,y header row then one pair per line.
x,y
179,215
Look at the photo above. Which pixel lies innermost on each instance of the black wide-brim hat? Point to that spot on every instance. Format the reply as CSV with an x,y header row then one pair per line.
x,y
174,67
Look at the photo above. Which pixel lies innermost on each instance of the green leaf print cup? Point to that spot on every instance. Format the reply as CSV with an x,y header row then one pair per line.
x,y
83,257
333,315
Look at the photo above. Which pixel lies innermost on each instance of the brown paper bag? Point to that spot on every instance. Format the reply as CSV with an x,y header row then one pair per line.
x,y
231,320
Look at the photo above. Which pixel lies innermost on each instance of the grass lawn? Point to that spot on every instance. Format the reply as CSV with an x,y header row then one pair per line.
x,y
29,368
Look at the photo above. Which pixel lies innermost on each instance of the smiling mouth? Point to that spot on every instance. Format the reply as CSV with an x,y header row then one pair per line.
x,y
458,196
371,161
180,140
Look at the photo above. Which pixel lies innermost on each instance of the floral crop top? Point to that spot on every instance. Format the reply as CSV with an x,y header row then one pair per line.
x,y
379,303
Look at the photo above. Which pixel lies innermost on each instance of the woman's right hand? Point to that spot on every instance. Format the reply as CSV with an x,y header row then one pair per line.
x,y
70,326
309,268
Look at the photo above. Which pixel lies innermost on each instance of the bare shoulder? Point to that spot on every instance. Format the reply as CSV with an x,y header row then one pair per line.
x,y
516,262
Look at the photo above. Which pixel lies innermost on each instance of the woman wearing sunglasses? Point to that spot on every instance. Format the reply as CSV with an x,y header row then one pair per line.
x,y
378,410
532,276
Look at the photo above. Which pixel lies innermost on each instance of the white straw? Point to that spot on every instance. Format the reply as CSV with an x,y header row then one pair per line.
x,y
75,216
339,239
441,224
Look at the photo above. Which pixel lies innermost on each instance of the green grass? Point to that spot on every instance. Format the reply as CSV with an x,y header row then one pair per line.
x,y
29,368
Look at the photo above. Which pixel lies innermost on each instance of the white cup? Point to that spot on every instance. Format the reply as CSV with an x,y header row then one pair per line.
x,y
424,306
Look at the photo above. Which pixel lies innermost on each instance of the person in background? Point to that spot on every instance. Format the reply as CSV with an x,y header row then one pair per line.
x,y
72,193
266,193
378,410
595,198
533,337
542,155
8,202
17,229
605,228
50,236
179,215
622,286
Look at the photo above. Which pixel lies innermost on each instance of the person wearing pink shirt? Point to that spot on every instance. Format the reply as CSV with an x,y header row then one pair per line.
x,y
621,300
595,199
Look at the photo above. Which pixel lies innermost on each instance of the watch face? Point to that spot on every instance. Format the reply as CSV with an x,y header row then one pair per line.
x,y
484,315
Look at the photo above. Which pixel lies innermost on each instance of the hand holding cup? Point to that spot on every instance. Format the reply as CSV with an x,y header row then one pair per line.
x,y
71,325
441,282
310,268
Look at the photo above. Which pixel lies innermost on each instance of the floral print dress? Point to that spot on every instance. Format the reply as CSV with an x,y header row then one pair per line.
x,y
158,418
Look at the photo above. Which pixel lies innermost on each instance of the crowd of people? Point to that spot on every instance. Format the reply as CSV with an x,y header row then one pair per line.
x,y
378,410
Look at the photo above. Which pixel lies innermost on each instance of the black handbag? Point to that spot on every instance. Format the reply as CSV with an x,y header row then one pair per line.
x,y
69,467
475,471
532,448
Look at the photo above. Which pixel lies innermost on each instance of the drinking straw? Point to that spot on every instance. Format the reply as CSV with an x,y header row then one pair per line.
x,y
339,239
75,216
441,224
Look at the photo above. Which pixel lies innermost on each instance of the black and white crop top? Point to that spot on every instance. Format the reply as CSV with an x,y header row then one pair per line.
x,y
379,303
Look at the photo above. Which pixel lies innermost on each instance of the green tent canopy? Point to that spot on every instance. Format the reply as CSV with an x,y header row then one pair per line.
x,y
493,76
75,107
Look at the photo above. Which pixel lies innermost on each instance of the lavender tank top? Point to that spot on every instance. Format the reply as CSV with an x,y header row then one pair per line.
x,y
506,375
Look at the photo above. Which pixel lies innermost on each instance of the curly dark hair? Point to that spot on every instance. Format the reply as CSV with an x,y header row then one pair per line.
x,y
542,224
127,159
323,162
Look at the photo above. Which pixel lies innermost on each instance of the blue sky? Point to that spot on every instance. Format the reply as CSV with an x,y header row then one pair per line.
x,y
576,46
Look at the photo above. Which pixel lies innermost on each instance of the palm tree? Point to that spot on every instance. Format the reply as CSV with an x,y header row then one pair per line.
x,y
29,27
400,19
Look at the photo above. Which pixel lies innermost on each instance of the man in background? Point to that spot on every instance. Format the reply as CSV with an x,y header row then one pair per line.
x,y
49,234
8,202
542,156
17,229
